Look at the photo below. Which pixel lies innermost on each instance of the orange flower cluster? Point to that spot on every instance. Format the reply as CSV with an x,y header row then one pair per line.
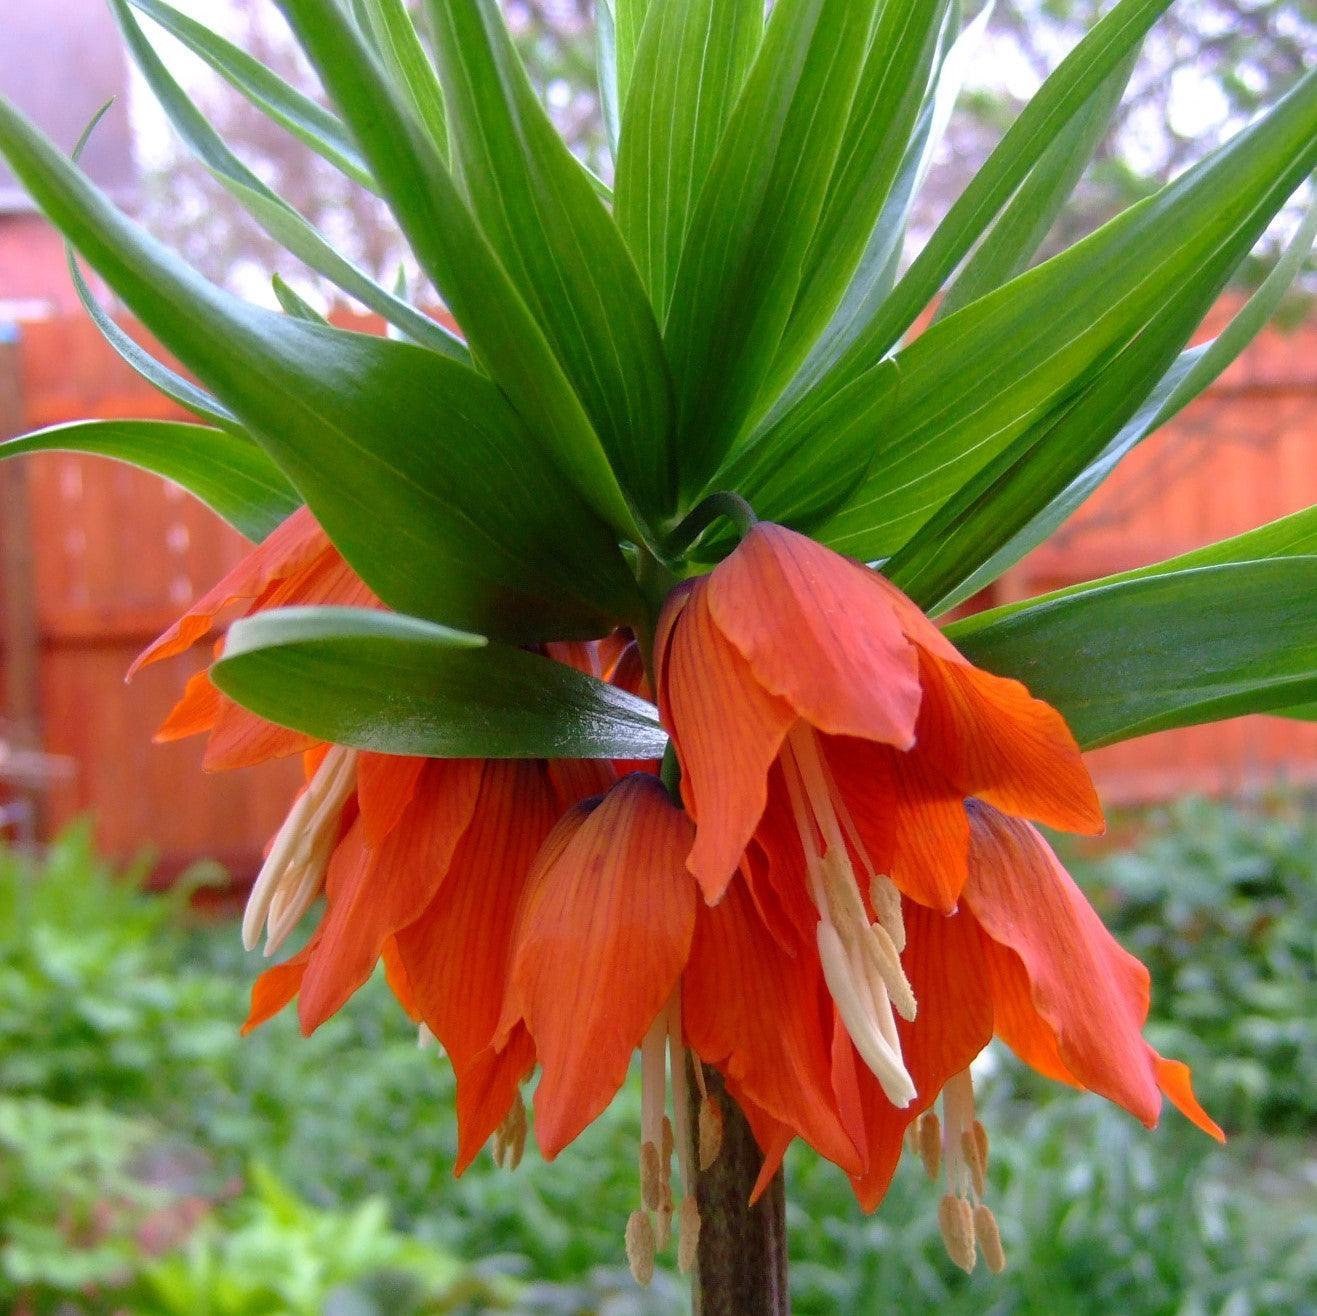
x,y
849,904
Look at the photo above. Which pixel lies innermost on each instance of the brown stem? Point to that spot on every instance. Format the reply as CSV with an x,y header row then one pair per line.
x,y
741,1268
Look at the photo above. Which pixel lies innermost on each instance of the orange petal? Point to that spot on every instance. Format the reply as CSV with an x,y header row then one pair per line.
x,y
240,739
1173,1079
818,634
764,1019
297,541
911,818
991,738
772,1136
456,952
375,892
602,937
277,986
395,974
195,712
575,780
386,784
727,730
1090,993
486,1089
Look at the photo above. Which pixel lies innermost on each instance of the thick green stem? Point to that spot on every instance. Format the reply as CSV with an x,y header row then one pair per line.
x,y
741,1269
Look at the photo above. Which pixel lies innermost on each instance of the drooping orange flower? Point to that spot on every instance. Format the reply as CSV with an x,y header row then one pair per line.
x,y
877,907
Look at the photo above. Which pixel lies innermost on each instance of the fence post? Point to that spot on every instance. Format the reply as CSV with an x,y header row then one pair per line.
x,y
20,637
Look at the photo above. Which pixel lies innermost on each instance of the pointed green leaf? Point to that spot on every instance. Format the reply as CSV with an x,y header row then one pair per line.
x,y
484,532
293,303
271,211
559,244
740,267
605,57
691,64
406,60
232,476
310,123
156,373
628,20
457,257
1194,370
974,383
889,97
1164,650
1019,231
398,685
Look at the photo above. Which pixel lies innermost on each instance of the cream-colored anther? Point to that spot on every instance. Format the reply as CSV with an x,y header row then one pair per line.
x,y
640,1248
955,1220
294,870
980,1141
886,902
665,1153
930,1144
856,1012
893,975
711,1131
974,1163
688,1234
650,1176
989,1239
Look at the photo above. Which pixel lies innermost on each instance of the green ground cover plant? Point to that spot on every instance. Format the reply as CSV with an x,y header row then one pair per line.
x,y
151,1160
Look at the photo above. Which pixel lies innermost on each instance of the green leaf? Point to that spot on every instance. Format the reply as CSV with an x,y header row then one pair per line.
x,y
628,20
398,685
889,97
230,475
560,246
156,373
293,303
974,383
1164,650
1193,372
741,264
483,531
690,66
310,123
1019,231
876,270
605,57
1064,94
271,211
454,253
406,60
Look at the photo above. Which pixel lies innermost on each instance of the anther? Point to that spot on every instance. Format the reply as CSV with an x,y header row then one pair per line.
x,y
955,1219
989,1238
665,1155
886,902
688,1234
711,1131
893,975
650,1176
517,1131
640,1247
980,1141
930,1144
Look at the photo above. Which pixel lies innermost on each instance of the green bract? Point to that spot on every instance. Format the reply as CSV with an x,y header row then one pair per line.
x,y
733,319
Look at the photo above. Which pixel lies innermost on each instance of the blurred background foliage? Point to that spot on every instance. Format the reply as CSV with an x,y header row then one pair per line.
x,y
153,1162
1206,69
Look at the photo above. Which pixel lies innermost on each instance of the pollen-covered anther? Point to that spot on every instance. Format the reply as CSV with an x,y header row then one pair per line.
x,y
928,1135
893,975
711,1131
663,1218
640,1247
955,1220
886,902
688,1234
510,1136
989,1239
669,1142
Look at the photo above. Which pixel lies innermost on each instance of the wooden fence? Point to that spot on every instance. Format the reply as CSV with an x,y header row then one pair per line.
x,y
99,558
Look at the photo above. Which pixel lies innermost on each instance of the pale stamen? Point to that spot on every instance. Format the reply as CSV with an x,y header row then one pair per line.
x,y
861,964
963,1216
293,874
